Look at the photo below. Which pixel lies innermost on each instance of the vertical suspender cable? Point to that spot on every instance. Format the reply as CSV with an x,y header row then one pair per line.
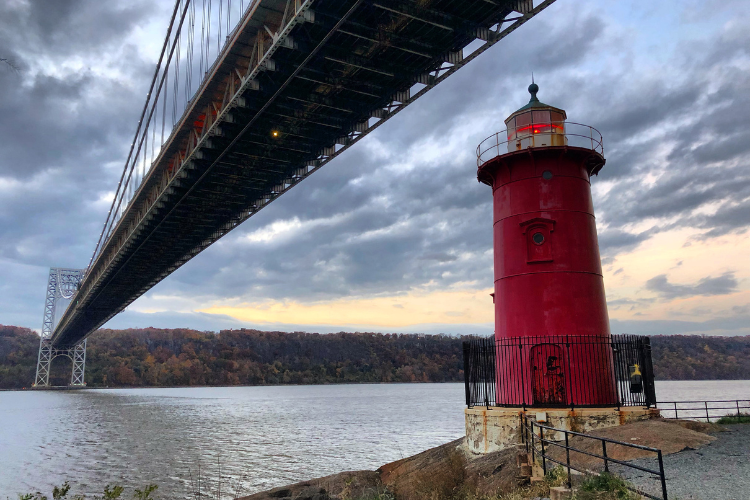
x,y
208,34
191,50
145,107
203,38
164,104
176,84
145,154
140,143
153,133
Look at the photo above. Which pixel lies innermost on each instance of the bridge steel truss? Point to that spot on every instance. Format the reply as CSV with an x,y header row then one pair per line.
x,y
62,284
287,94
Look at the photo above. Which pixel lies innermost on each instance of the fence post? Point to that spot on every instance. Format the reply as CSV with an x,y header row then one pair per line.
x,y
708,420
526,427
649,365
663,478
570,382
739,415
486,372
467,377
567,457
523,382
533,445
604,454
614,373
544,458
675,410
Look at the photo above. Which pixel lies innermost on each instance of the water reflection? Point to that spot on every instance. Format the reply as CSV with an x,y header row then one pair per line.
x,y
268,436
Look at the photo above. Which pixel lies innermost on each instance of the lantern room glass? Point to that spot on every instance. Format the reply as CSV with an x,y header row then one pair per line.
x,y
536,128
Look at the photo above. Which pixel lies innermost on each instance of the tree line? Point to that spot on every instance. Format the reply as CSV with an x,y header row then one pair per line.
x,y
182,357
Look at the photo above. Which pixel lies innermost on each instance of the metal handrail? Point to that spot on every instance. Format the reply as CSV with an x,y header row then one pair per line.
x,y
530,437
703,407
582,135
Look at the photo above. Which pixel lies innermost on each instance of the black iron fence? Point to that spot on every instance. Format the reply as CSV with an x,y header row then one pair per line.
x,y
559,371
730,409
540,445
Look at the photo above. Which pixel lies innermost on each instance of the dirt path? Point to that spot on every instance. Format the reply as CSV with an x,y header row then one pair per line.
x,y
719,470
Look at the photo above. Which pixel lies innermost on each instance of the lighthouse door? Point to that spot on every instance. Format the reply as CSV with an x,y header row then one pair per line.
x,y
547,375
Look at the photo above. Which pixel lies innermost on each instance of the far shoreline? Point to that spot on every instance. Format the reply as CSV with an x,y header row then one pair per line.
x,y
69,388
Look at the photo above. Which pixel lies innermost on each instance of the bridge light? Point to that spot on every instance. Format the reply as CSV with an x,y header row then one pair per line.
x,y
275,133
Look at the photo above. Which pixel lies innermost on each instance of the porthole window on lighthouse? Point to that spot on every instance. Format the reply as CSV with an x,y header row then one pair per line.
x,y
546,175
538,238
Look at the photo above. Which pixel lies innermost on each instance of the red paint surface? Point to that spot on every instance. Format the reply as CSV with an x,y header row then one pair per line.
x,y
554,288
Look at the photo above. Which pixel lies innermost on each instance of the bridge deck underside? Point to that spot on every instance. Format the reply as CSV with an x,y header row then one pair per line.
x,y
337,76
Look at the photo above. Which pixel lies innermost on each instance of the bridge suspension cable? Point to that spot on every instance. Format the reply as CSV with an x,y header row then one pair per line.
x,y
179,47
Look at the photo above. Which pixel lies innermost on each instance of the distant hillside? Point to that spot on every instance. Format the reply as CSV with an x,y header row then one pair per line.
x,y
180,357
691,357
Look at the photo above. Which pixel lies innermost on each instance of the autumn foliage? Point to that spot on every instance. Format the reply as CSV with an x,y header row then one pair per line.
x,y
182,357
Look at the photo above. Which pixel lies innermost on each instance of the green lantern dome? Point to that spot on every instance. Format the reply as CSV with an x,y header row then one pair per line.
x,y
535,104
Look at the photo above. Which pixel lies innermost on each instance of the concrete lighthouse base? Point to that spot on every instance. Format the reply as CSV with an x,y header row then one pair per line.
x,y
493,429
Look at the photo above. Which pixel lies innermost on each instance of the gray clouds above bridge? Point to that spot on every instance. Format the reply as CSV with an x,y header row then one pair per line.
x,y
669,88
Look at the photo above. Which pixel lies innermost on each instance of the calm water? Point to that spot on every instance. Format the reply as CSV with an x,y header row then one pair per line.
x,y
262,436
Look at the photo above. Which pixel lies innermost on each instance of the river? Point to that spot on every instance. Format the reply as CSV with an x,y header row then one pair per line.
x,y
254,438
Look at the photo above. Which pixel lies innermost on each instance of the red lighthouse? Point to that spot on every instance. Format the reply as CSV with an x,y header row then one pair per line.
x,y
551,323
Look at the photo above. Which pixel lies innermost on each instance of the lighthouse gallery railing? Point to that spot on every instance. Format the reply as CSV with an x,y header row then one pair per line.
x,y
540,135
494,369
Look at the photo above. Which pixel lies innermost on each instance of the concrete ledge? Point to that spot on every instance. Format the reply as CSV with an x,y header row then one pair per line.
x,y
493,429
560,493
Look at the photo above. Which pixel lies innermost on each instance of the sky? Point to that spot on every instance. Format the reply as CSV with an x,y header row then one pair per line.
x,y
395,235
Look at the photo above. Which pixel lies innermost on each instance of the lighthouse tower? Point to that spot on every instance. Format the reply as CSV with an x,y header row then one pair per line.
x,y
551,323
552,358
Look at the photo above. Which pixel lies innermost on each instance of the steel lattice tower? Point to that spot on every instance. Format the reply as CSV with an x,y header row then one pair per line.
x,y
62,284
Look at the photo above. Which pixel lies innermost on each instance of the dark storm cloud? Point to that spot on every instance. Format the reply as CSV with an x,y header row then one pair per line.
x,y
720,285
66,117
381,245
66,27
616,240
700,119
56,117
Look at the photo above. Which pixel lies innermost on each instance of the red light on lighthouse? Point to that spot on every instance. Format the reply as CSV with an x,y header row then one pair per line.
x,y
550,307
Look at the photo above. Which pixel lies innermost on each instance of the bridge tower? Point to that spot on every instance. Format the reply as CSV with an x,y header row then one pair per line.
x,y
62,284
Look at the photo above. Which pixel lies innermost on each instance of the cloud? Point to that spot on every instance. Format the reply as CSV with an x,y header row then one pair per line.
x,y
720,285
729,326
628,303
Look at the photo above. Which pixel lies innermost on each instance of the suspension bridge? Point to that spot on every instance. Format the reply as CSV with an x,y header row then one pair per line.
x,y
247,100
